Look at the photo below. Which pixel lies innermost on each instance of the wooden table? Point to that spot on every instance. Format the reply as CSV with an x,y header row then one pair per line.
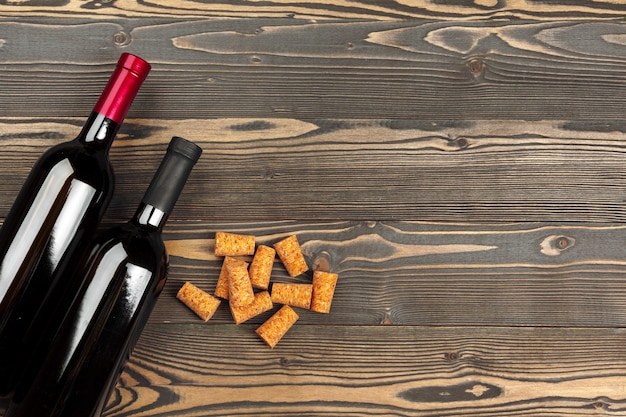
x,y
462,168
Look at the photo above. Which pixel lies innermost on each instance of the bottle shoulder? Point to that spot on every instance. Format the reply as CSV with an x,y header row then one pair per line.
x,y
74,150
91,166
144,247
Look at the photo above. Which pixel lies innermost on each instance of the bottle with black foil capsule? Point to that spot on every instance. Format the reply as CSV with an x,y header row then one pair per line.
x,y
57,210
124,274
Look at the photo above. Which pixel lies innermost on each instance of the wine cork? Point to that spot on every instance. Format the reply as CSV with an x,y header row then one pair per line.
x,y
221,288
324,284
261,267
296,295
232,244
274,328
199,301
262,303
240,292
290,254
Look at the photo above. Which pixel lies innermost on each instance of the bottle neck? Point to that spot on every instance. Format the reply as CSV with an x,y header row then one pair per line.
x,y
122,87
114,102
98,132
150,217
166,185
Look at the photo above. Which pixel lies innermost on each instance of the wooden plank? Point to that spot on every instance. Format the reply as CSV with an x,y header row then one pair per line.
x,y
457,171
379,370
299,68
325,9
211,370
413,273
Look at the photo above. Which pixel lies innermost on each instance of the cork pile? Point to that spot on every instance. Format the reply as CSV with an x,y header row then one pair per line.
x,y
248,288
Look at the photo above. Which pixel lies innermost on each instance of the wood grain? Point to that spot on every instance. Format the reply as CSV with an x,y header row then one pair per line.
x,y
216,370
374,370
323,9
459,164
302,68
414,273
457,171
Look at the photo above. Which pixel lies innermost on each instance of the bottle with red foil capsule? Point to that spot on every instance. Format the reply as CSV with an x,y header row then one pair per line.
x,y
123,274
55,214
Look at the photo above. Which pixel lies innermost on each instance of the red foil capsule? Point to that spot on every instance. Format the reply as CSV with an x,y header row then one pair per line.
x,y
122,87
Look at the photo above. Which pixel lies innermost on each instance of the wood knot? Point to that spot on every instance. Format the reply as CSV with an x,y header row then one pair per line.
x,y
554,245
121,38
599,405
269,174
286,361
387,319
371,224
322,261
476,67
458,143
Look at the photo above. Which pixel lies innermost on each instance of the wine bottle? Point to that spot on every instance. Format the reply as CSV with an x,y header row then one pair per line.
x,y
55,213
124,274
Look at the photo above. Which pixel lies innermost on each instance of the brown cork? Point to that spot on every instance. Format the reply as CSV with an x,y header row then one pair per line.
x,y
240,292
261,267
296,295
324,284
262,303
221,288
199,301
290,254
277,326
231,244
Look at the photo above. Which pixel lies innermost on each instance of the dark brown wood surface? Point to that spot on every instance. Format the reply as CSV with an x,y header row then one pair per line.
x,y
461,165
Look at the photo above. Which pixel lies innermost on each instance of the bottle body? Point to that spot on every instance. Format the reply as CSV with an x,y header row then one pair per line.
x,y
54,215
56,212
122,279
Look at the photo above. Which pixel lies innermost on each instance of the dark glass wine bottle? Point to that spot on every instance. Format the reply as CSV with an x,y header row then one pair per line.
x,y
124,274
57,210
